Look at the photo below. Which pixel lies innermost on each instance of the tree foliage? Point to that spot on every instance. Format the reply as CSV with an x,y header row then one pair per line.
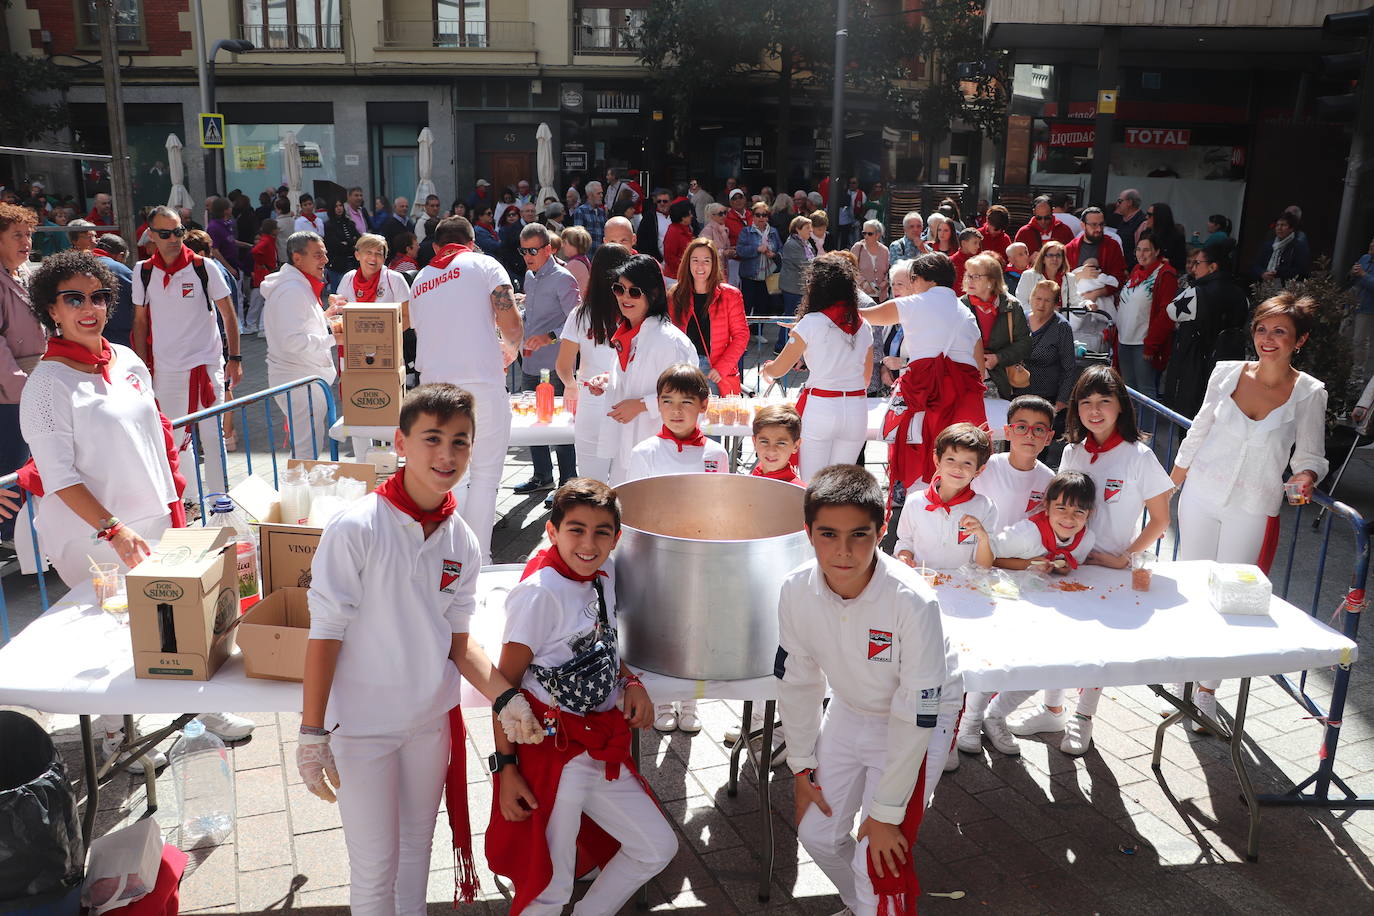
x,y
969,82
23,119
1327,354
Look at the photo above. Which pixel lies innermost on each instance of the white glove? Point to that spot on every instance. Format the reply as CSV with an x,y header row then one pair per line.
x,y
315,761
519,723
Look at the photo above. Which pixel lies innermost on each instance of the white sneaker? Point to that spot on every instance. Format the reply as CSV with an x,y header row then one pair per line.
x,y
1167,709
1078,736
779,755
110,744
1042,720
226,725
1206,703
687,721
665,719
952,762
1001,737
970,739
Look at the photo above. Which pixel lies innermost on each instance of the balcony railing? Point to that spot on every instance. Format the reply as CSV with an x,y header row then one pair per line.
x,y
451,33
598,39
303,36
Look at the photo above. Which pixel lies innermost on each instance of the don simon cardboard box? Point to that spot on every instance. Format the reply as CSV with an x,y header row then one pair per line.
x,y
286,550
372,336
183,601
273,634
372,397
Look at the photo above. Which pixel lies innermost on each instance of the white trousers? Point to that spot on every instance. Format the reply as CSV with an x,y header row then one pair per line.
x,y
833,432
389,791
850,752
623,809
172,390
309,435
252,319
477,501
1206,532
941,746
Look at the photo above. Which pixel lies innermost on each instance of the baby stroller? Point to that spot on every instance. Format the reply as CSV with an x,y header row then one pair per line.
x,y
1094,336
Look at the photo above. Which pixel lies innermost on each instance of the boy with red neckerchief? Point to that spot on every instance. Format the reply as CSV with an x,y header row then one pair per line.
x,y
946,524
578,791
679,447
777,437
394,585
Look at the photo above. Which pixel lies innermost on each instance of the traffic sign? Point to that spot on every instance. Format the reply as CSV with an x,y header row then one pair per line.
x,y
211,130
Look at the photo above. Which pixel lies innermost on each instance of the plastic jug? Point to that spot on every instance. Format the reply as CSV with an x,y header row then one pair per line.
x,y
225,514
295,496
205,787
543,398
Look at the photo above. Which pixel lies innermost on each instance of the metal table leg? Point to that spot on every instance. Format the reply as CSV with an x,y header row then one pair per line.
x,y
149,776
1247,788
765,804
732,785
642,895
92,781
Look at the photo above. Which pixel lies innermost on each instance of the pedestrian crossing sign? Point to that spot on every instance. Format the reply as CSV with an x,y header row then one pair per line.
x,y
211,131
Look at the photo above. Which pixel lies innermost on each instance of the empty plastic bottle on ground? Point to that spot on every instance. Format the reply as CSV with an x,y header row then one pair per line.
x,y
205,787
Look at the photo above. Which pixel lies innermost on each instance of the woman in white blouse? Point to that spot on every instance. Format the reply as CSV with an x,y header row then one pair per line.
x,y
1253,416
373,281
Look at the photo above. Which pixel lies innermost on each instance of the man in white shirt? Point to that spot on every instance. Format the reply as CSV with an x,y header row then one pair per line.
x,y
614,185
309,220
1059,206
431,211
173,301
649,239
700,198
458,303
522,193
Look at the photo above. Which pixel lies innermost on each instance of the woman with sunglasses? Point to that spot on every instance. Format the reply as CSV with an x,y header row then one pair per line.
x,y
646,343
873,260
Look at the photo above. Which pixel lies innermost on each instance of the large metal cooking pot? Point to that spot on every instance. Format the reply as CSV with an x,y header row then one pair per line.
x,y
698,571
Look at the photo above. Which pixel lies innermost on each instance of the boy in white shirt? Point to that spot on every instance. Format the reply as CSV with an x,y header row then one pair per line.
x,y
1015,480
946,525
560,646
870,627
680,447
1054,539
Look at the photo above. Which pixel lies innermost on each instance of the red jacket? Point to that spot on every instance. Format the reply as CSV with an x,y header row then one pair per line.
x,y
1029,235
959,260
1160,334
735,223
729,335
1109,257
675,242
264,258
995,241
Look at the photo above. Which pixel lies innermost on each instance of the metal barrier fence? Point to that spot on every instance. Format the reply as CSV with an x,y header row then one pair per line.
x,y
1289,560
241,407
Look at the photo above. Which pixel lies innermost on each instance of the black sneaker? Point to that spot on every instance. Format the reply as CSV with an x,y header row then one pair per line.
x,y
534,485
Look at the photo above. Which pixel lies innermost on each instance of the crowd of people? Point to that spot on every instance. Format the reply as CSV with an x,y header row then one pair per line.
x,y
639,313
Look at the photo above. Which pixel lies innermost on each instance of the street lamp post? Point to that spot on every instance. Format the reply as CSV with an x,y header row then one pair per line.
x,y
205,74
837,182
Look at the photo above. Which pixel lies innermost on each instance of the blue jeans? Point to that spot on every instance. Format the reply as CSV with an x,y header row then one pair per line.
x,y
539,454
1140,375
755,294
705,365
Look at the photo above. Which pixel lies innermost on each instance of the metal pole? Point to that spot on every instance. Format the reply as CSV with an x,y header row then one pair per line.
x,y
838,188
1349,221
203,77
1108,55
121,184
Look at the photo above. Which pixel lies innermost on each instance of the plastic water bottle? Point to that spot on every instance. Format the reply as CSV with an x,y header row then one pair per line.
x,y
224,514
543,398
205,787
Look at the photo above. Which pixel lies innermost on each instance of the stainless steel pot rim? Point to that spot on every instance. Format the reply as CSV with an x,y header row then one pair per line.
x,y
682,540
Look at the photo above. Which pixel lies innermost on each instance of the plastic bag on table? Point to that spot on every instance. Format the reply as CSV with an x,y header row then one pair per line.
x,y
41,851
994,583
122,866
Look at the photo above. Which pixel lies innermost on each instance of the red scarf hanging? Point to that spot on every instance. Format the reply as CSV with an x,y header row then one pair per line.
x,y
899,892
623,340
1050,541
948,392
61,348
551,558
456,797
697,438
844,319
933,500
1091,446
786,473
394,492
363,290
184,257
444,255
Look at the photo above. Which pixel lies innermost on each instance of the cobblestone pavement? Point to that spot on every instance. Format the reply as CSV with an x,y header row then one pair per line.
x,y
1045,833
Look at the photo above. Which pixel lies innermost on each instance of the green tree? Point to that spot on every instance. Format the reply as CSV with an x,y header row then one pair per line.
x,y
22,118
968,82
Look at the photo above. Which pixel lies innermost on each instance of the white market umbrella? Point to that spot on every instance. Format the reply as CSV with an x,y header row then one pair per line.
x,y
180,196
426,185
544,166
291,166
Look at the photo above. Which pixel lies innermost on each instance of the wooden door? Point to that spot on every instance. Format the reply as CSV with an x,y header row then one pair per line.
x,y
508,168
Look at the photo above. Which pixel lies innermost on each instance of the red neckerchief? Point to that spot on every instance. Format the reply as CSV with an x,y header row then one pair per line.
x,y
456,796
394,492
898,892
786,473
622,340
183,258
448,253
1050,541
551,558
102,253
60,347
933,500
1092,448
403,262
317,286
844,319
697,438
983,304
365,290
1140,273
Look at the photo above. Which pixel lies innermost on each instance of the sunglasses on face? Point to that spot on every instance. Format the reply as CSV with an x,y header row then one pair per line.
x,y
75,298
531,252
1044,219
870,234
1037,429
661,202
629,292
179,231
1053,254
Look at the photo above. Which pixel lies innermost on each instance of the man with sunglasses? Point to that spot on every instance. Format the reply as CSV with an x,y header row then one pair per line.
x,y
1127,218
551,293
653,230
176,295
1043,227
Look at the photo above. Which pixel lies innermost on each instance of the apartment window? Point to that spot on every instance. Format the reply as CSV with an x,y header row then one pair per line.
x,y
128,21
607,30
299,25
460,23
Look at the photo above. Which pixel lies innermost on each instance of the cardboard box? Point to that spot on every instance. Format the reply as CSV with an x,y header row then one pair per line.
x,y
273,634
285,551
372,336
183,602
372,397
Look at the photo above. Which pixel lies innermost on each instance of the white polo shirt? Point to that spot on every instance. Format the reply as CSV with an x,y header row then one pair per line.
x,y
937,322
934,536
835,360
1015,494
455,333
655,457
1126,477
1022,541
883,654
315,225
185,332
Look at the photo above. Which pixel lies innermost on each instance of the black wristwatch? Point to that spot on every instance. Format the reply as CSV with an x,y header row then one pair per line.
x,y
235,358
553,337
497,761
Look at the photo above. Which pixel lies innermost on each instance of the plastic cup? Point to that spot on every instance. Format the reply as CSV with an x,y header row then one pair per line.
x,y
928,574
1142,570
1297,496
108,583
